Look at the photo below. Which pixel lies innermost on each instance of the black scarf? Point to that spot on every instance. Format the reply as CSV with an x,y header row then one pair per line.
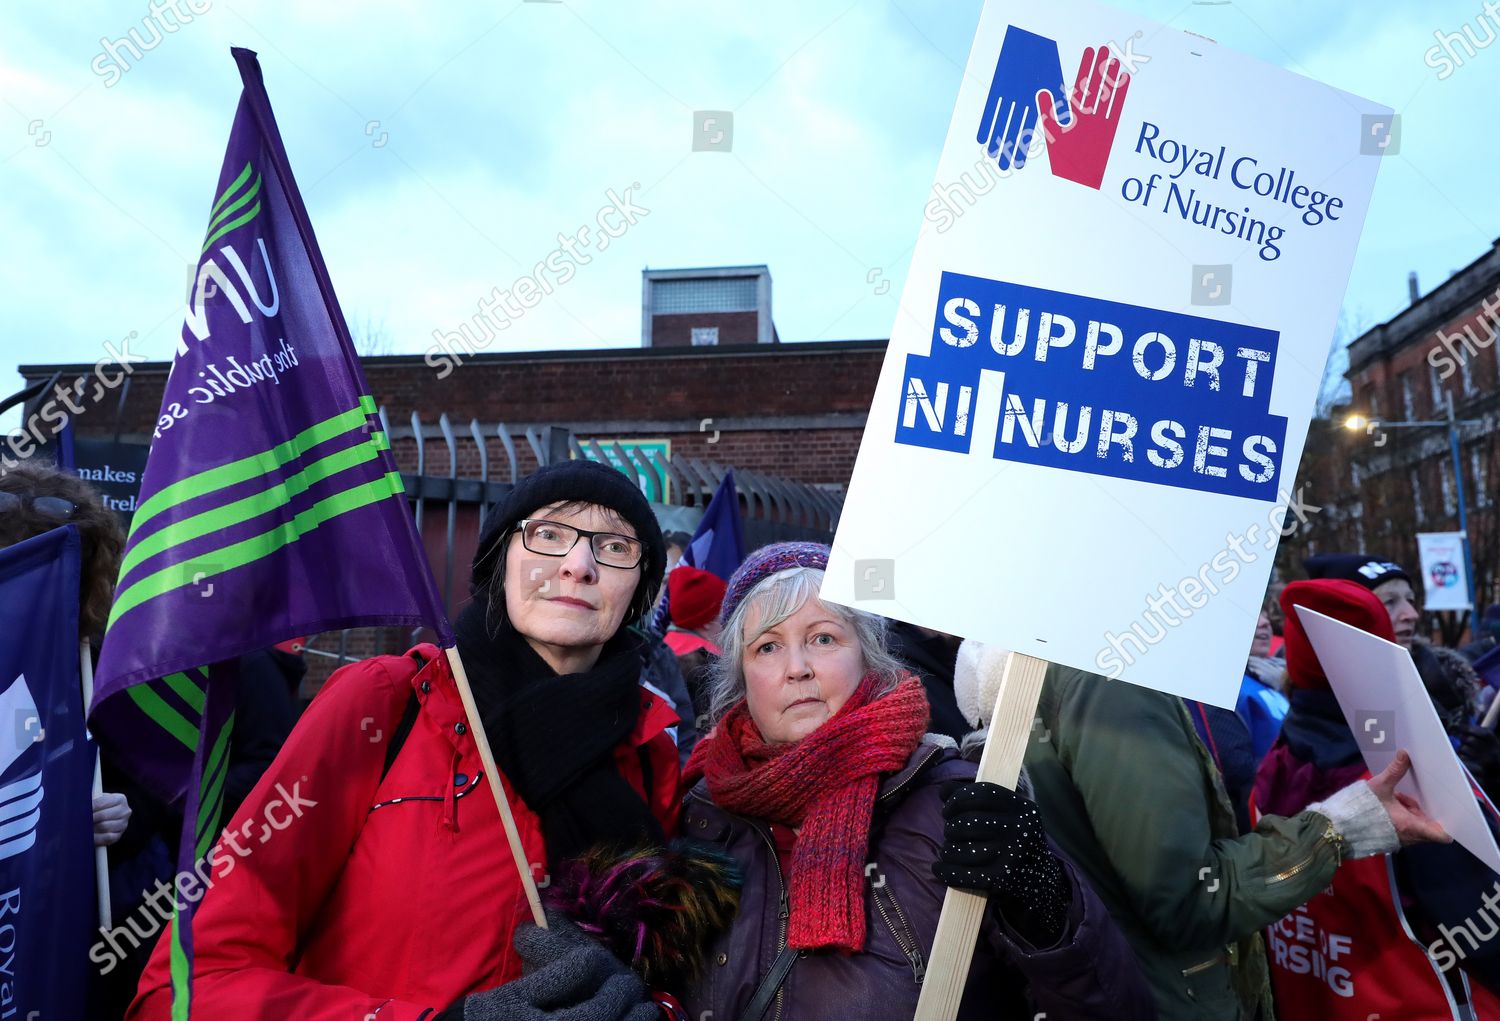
x,y
1317,731
555,736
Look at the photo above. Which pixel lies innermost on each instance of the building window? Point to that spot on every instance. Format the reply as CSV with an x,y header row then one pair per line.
x,y
1357,512
705,336
1466,373
1374,403
1445,477
705,294
1356,474
1416,495
1435,382
1408,397
1477,469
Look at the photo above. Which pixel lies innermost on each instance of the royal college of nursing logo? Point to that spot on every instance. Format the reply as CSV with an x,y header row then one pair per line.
x,y
20,785
1027,98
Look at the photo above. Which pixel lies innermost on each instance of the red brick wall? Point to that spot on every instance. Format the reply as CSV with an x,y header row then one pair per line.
x,y
732,387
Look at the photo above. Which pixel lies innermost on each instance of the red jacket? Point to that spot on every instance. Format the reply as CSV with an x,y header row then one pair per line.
x,y
371,898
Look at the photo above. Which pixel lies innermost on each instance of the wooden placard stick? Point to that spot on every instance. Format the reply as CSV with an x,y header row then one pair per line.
x,y
958,925
487,759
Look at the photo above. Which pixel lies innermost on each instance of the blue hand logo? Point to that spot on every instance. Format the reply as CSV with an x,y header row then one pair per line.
x,y
1028,66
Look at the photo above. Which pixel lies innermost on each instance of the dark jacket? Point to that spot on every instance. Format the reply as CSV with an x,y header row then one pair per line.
x,y
1130,793
265,711
1091,975
660,673
931,657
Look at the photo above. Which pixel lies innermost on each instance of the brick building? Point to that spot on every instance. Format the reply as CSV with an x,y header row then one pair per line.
x,y
791,410
1379,485
787,417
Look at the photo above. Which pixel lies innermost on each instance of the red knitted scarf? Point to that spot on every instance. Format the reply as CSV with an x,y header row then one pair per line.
x,y
826,784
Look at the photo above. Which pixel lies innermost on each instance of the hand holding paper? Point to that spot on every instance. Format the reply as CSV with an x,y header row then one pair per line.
x,y
1413,826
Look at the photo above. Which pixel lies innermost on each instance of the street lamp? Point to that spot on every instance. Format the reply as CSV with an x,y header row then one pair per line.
x,y
1452,424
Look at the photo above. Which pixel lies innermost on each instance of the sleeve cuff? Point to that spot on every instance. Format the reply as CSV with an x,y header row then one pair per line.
x,y
1360,820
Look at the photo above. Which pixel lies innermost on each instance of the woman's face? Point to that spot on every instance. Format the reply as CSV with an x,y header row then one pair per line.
x,y
1260,645
1401,603
567,607
799,673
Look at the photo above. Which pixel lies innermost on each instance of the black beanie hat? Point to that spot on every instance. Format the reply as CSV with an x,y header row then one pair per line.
x,y
1361,567
585,482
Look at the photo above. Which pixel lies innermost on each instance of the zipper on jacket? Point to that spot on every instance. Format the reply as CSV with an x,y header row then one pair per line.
x,y
1202,966
916,770
1330,834
904,937
784,913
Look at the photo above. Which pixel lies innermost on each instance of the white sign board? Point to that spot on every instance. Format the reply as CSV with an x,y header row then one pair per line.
x,y
1095,396
1445,576
1388,709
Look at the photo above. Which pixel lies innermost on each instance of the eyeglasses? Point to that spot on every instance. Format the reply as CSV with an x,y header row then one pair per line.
x,y
54,507
553,539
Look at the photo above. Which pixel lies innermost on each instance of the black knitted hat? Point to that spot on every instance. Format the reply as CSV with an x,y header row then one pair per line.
x,y
585,482
1368,570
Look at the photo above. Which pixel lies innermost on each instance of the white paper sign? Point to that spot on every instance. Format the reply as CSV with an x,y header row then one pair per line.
x,y
1388,709
1097,388
1445,576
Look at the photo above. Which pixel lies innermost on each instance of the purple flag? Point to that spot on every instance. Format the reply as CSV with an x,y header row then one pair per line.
x,y
270,505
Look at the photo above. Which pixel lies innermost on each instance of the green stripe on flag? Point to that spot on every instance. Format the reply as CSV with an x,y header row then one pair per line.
x,y
246,468
182,991
216,235
237,204
170,719
254,548
211,791
221,518
233,187
186,690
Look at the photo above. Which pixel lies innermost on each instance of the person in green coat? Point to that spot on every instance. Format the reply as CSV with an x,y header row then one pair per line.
x,y
1130,794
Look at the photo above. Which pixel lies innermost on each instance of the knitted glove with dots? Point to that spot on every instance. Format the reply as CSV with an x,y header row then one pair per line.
x,y
993,842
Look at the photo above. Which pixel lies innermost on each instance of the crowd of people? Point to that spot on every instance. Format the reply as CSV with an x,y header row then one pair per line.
x,y
756,813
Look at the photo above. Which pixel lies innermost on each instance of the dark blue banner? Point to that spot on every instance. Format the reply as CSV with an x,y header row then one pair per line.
x,y
1100,387
47,901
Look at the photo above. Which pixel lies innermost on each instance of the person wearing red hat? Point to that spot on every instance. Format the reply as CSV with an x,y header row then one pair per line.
x,y
693,600
1390,935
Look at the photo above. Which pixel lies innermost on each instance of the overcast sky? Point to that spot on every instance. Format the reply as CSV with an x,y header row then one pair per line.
x,y
442,148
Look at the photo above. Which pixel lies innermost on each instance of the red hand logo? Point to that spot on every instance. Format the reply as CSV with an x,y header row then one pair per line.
x,y
1079,150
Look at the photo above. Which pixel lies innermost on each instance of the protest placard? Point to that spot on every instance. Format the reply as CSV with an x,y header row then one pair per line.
x,y
1084,436
1103,366
1388,709
1445,575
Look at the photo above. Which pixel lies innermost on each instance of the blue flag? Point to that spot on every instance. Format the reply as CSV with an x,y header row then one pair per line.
x,y
718,543
47,901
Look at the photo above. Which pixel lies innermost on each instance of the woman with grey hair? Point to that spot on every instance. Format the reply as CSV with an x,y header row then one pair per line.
x,y
849,822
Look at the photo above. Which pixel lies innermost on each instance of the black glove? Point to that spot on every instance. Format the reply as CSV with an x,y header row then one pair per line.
x,y
567,975
993,842
1479,749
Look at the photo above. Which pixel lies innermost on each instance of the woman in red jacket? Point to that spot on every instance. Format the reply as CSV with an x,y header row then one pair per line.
x,y
367,877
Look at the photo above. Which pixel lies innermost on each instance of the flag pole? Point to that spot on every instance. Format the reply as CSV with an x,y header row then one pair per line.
x,y
487,758
260,107
963,911
101,854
